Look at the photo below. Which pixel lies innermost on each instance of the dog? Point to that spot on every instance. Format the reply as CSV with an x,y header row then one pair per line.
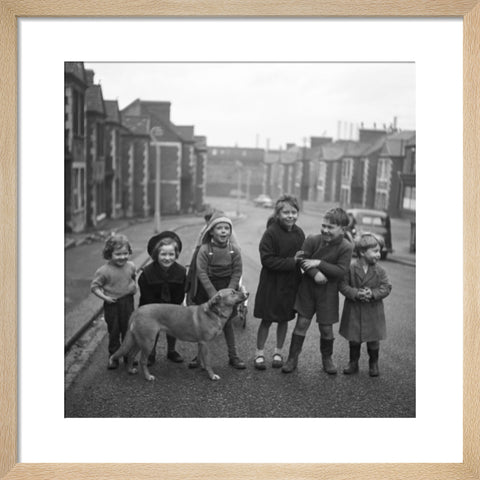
x,y
194,323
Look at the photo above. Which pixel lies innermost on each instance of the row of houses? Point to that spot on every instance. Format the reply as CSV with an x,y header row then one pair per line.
x,y
110,157
110,163
376,171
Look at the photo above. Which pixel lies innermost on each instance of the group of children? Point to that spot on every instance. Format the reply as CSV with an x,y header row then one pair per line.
x,y
300,277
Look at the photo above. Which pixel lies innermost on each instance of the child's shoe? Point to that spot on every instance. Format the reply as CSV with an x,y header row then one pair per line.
x,y
175,357
326,349
259,362
235,362
112,364
373,370
277,361
351,368
354,357
194,363
373,362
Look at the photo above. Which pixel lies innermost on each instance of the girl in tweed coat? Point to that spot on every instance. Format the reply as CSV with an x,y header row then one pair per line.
x,y
363,319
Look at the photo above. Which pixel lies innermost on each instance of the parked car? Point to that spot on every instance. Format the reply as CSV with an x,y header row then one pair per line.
x,y
372,221
237,193
263,201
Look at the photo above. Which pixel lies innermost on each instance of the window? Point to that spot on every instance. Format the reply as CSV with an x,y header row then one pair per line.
x,y
344,196
409,198
381,201
346,168
78,188
78,113
100,139
214,151
383,169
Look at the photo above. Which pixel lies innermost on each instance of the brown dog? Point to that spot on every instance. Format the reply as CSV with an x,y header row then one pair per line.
x,y
199,324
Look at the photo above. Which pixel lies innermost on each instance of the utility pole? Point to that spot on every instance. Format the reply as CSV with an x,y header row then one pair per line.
x,y
249,175
239,165
155,134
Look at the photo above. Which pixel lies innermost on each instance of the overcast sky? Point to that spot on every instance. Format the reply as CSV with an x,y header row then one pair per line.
x,y
248,103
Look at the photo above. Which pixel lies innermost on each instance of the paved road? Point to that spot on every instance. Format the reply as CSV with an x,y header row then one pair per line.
x,y
309,392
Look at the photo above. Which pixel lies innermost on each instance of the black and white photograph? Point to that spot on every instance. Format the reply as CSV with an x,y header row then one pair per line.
x,y
240,239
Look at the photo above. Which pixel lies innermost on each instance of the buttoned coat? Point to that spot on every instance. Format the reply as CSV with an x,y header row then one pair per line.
x,y
323,299
364,321
280,274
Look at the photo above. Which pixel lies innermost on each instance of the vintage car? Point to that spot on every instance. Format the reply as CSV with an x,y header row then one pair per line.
x,y
263,201
372,221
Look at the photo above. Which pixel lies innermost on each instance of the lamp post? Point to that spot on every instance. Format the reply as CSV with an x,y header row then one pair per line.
x,y
239,166
155,134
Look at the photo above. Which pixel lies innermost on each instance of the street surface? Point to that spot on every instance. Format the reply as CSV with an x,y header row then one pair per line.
x,y
308,392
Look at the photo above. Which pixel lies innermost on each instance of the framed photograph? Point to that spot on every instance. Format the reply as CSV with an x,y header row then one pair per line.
x,y
38,439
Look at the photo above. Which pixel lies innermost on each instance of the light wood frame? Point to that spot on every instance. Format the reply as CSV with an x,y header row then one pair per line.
x,y
10,10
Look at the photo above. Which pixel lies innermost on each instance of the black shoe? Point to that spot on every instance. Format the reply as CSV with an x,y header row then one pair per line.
x,y
351,369
151,360
175,357
373,369
328,365
237,363
112,364
195,363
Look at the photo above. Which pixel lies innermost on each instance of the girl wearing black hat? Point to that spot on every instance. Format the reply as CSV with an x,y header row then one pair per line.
x,y
163,281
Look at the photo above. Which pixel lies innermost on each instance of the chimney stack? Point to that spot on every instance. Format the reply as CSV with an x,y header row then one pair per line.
x,y
90,74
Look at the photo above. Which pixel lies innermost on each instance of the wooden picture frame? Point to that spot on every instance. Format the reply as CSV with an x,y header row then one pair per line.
x,y
11,10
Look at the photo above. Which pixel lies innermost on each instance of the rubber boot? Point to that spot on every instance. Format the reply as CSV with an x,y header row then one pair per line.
x,y
354,357
326,349
295,349
373,362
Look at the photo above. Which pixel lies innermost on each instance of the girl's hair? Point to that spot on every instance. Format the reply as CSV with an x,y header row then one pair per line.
x,y
114,242
162,243
366,241
337,216
285,200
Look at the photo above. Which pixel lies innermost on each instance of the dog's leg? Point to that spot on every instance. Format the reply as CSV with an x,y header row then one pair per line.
x,y
205,360
131,358
146,345
143,364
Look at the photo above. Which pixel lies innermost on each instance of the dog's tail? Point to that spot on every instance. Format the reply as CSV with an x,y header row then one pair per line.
x,y
127,344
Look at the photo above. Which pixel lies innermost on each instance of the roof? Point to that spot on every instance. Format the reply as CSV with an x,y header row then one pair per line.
x,y
113,112
77,70
271,156
158,112
291,155
137,125
186,131
94,99
395,143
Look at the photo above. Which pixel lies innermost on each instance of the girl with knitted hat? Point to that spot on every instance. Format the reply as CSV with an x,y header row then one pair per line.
x,y
218,265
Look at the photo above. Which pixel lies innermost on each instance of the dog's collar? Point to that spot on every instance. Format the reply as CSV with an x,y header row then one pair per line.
x,y
216,311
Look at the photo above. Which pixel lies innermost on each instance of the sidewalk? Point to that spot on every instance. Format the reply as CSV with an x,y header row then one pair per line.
x,y
83,255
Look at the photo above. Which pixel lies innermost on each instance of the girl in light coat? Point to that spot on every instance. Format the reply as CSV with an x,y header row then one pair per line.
x,y
363,319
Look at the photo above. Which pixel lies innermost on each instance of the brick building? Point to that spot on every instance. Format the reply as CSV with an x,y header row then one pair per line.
x,y
96,152
75,202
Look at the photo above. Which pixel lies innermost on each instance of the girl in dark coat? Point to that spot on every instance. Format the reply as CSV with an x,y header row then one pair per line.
x,y
163,281
363,318
279,278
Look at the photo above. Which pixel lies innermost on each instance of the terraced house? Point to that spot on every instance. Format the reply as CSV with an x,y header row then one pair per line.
x,y
111,157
